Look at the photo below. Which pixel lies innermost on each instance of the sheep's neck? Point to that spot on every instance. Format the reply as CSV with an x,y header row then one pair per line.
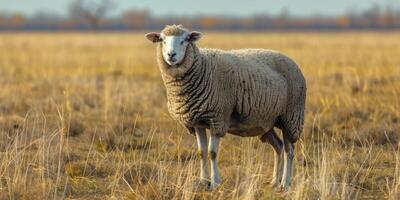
x,y
186,95
188,82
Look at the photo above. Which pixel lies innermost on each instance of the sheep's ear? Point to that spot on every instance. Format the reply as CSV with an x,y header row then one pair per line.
x,y
153,37
195,36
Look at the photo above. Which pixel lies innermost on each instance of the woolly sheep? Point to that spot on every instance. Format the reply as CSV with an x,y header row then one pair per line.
x,y
244,92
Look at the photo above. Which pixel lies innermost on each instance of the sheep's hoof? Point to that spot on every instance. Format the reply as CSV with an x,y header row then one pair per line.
x,y
283,188
213,185
205,182
275,183
203,185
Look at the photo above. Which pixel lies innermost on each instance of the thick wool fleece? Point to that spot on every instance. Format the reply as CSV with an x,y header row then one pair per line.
x,y
244,92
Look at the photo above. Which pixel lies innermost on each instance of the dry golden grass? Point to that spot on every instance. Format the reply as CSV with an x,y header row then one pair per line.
x,y
83,116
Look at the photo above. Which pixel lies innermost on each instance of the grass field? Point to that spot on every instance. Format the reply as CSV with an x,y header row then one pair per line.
x,y
83,116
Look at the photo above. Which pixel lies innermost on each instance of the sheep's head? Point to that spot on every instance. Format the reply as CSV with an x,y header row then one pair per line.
x,y
174,41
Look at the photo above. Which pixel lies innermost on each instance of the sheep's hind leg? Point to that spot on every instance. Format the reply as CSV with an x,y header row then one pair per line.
x,y
292,126
202,152
272,138
288,163
212,155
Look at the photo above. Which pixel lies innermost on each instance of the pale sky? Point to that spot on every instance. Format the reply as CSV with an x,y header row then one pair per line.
x,y
214,7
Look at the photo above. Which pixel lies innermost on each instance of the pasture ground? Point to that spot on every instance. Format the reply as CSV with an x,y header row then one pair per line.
x,y
83,116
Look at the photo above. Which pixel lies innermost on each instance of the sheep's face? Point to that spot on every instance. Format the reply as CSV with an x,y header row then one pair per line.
x,y
174,45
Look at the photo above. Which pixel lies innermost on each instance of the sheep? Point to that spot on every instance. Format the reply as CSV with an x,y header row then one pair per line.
x,y
243,92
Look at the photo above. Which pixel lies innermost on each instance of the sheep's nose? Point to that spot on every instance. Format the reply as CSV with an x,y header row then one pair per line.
x,y
171,54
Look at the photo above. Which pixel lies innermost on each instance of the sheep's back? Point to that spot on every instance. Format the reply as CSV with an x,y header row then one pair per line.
x,y
259,92
274,66
267,84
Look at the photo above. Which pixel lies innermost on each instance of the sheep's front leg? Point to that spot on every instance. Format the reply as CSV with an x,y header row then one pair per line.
x,y
212,155
202,152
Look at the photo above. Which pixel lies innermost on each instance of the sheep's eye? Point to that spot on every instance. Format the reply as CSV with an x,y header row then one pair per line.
x,y
182,41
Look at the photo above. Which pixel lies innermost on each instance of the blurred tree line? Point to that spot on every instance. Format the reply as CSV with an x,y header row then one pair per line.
x,y
85,15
